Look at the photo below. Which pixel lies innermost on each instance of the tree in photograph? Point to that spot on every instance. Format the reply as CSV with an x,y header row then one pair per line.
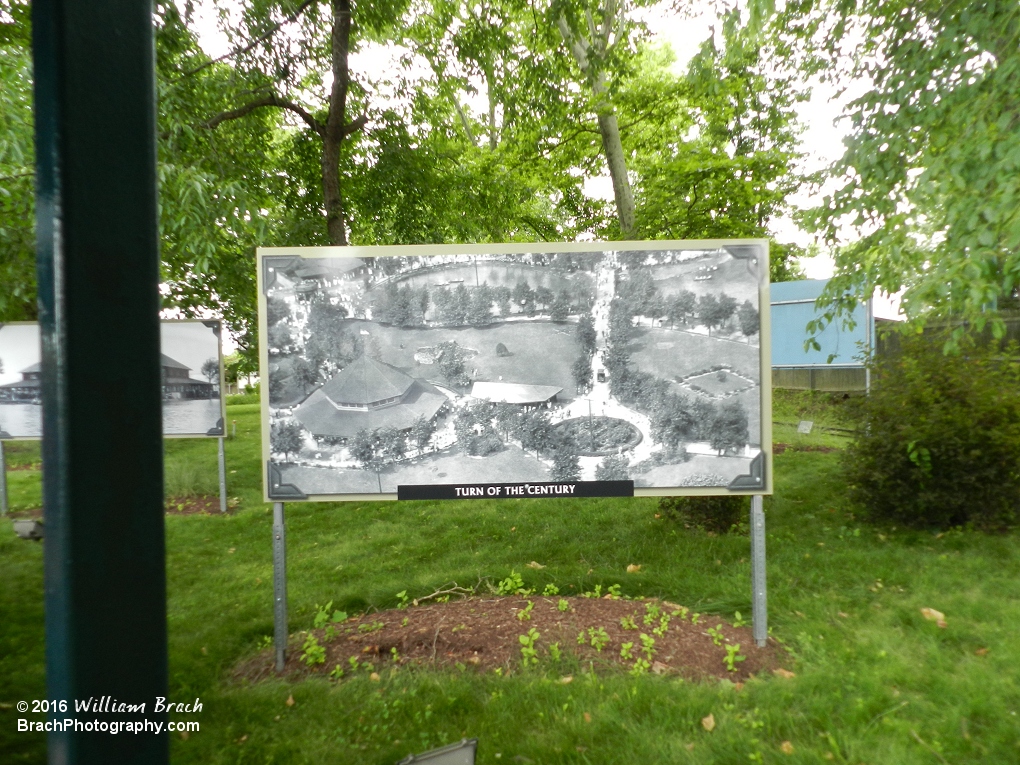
x,y
566,464
673,422
329,347
560,309
544,297
534,431
277,310
442,299
420,304
210,370
581,371
747,316
621,321
421,432
304,373
280,339
506,417
708,312
727,307
481,306
682,307
452,363
502,351
612,468
362,448
586,334
392,443
503,297
523,298
461,306
729,431
286,438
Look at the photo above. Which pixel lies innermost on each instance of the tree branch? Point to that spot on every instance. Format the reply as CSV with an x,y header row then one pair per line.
x,y
270,100
260,39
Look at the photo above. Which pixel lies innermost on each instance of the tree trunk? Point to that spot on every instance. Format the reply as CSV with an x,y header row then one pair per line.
x,y
612,147
334,134
583,49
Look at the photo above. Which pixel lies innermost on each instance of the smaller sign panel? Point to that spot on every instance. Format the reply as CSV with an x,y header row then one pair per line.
x,y
191,363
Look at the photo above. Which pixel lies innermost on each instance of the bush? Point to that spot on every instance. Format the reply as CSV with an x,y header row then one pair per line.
x,y
501,350
939,437
718,514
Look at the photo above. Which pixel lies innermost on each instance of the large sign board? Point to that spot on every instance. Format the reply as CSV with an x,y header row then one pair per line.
x,y
523,370
192,379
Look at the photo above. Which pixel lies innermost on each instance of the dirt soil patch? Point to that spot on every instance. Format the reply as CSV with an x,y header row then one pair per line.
x,y
484,634
194,505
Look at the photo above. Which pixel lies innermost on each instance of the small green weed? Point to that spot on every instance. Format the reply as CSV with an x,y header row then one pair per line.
x,y
738,620
311,652
512,585
550,590
716,634
555,652
371,627
529,654
628,623
599,637
336,673
563,606
733,657
403,600
525,613
625,651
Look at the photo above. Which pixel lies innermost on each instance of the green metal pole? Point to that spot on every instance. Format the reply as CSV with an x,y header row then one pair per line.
x,y
98,268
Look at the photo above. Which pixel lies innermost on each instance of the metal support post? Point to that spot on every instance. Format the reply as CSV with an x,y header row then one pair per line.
x,y
97,261
279,585
223,476
3,481
759,600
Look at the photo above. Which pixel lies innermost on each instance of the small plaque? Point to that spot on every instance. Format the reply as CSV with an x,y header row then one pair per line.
x,y
805,426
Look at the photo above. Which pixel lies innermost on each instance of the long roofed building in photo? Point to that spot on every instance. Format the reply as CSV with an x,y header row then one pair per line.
x,y
366,395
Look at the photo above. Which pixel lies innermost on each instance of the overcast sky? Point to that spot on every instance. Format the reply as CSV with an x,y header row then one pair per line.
x,y
189,342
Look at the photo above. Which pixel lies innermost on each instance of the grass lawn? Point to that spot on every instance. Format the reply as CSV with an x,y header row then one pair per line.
x,y
542,351
449,466
874,681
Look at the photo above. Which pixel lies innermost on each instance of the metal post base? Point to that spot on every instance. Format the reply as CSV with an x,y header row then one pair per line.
x,y
759,601
223,475
3,481
279,586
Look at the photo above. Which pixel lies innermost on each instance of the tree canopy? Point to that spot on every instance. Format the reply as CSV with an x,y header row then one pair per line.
x,y
930,178
288,138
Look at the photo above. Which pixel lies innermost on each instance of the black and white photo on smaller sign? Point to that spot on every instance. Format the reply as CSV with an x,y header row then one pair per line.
x,y
190,379
557,364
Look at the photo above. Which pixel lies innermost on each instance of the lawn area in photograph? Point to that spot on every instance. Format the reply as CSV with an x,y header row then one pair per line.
x,y
870,679
448,466
720,383
671,354
541,351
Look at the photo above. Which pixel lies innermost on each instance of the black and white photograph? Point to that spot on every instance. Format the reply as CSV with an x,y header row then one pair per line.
x,y
20,372
547,365
191,379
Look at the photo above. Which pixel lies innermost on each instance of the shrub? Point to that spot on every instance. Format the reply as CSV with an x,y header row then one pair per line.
x,y
718,514
501,350
939,437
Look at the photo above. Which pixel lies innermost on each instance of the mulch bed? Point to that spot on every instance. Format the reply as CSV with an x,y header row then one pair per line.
x,y
482,633
779,448
199,505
